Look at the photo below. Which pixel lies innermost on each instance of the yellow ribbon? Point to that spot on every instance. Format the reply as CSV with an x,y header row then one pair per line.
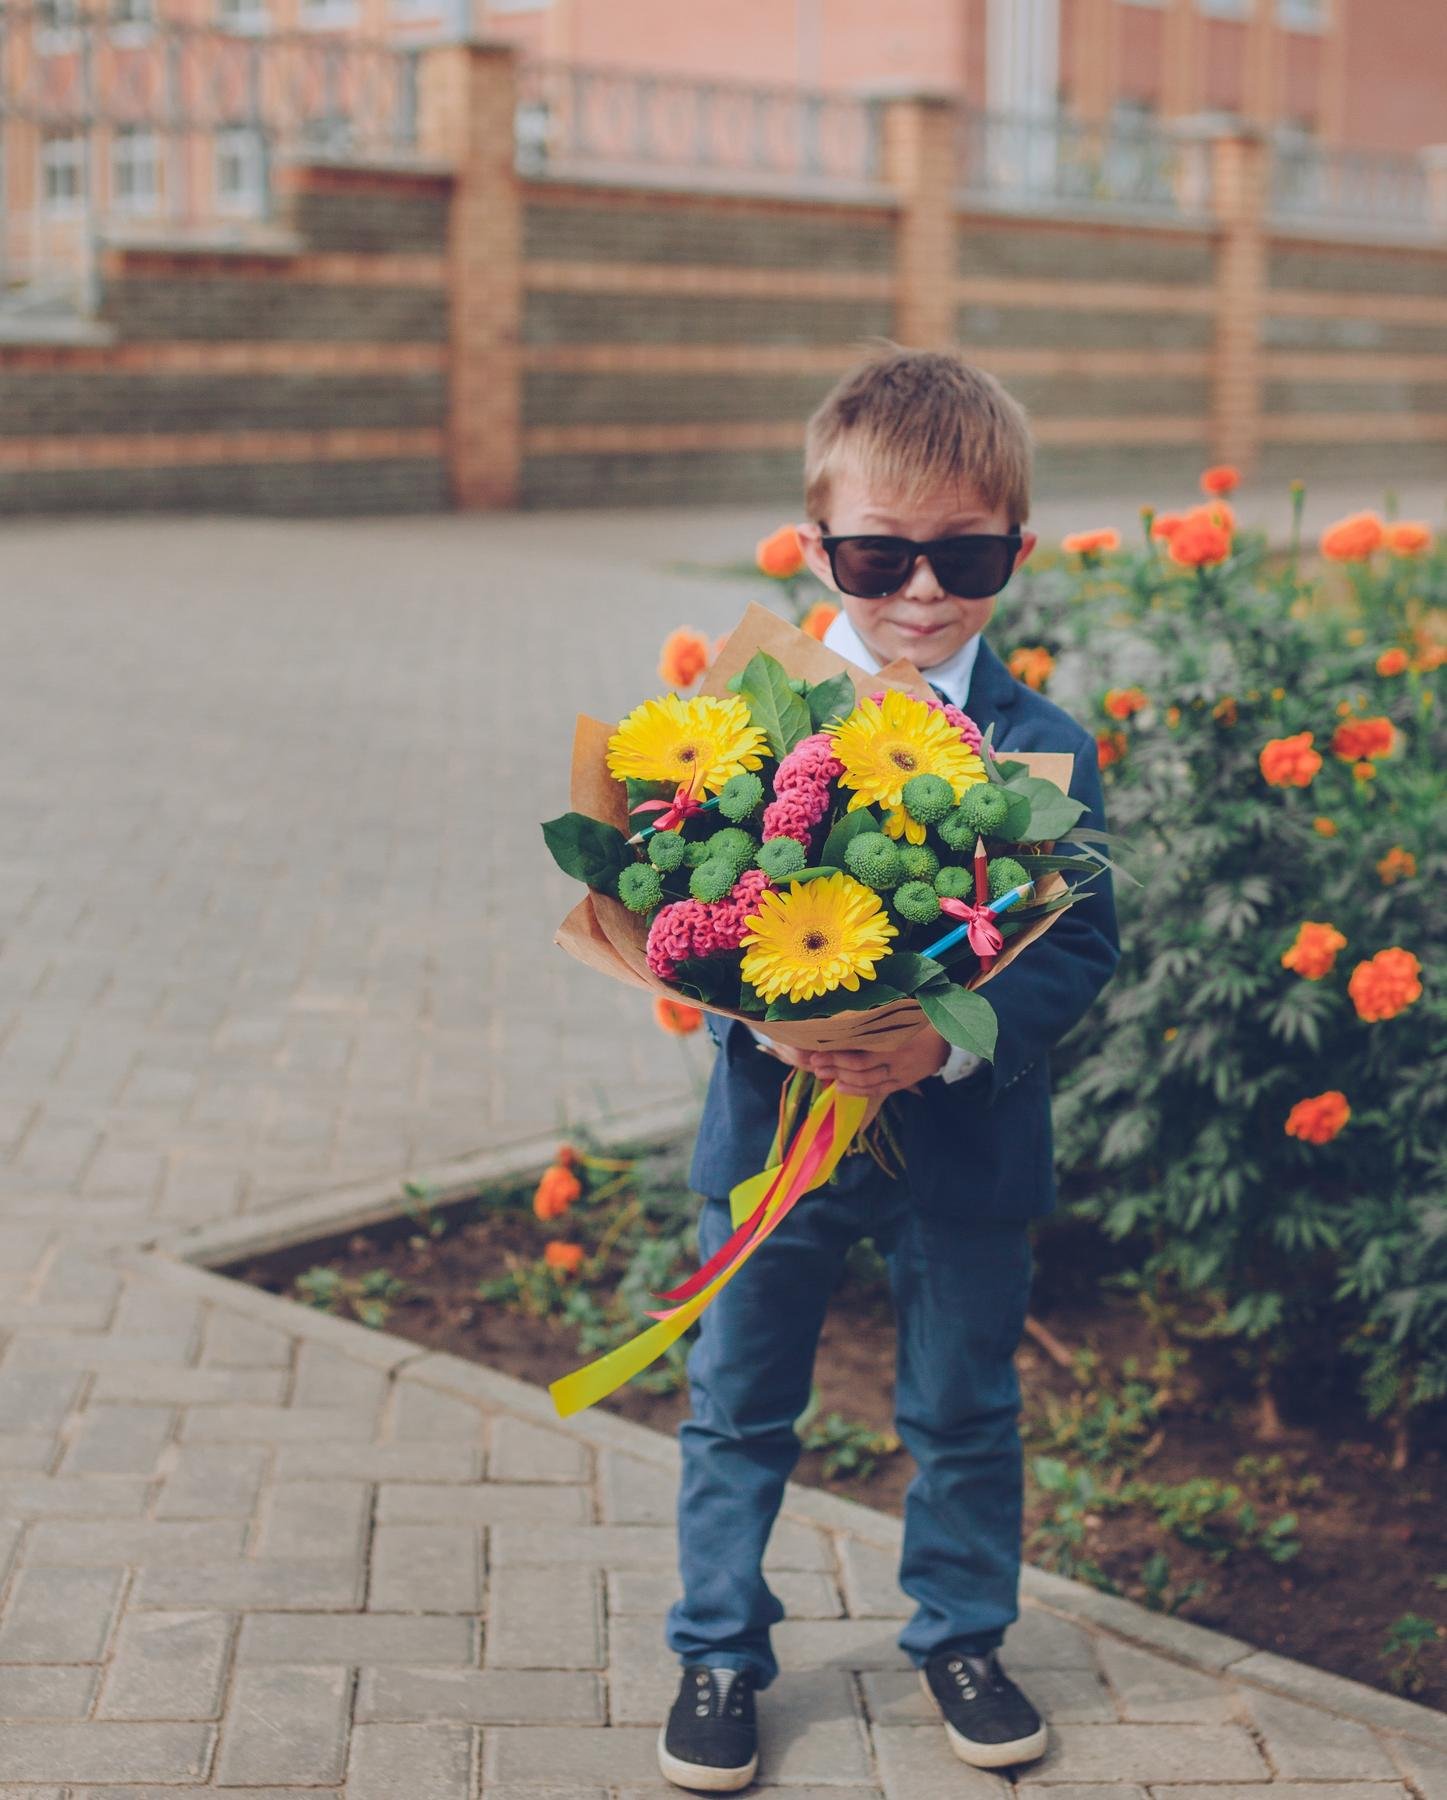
x,y
597,1379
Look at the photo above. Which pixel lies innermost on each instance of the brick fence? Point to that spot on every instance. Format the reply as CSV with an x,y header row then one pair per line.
x,y
462,334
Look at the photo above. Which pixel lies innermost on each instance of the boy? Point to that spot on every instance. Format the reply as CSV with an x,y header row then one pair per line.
x,y
920,448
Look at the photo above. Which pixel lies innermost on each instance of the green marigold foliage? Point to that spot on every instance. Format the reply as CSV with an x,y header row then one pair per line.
x,y
927,798
1005,873
983,809
711,880
640,887
917,901
875,860
1176,1089
955,883
666,850
781,856
740,796
918,862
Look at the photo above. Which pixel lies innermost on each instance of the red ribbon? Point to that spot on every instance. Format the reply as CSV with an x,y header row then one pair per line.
x,y
984,935
673,812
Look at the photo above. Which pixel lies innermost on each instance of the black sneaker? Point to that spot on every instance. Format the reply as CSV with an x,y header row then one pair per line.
x,y
711,1740
989,1722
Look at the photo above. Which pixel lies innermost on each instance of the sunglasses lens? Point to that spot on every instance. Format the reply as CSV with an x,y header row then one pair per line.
x,y
873,568
870,568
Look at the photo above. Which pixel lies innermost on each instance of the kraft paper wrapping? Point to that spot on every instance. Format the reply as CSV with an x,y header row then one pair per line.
x,y
602,933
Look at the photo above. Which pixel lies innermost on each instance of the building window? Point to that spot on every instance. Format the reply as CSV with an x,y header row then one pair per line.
x,y
57,24
135,170
241,15
132,18
241,171
62,175
327,14
1225,9
1302,15
516,6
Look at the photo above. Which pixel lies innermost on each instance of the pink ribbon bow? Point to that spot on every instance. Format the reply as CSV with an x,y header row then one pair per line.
x,y
984,935
672,813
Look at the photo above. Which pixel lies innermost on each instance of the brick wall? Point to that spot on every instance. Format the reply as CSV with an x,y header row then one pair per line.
x,y
309,379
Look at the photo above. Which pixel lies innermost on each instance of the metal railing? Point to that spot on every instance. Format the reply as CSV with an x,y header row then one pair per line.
x,y
1369,193
611,125
117,121
1050,162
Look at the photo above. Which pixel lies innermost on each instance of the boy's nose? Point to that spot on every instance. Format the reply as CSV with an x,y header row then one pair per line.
x,y
923,583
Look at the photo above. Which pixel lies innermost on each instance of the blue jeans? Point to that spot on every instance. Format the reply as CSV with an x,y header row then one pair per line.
x,y
959,1300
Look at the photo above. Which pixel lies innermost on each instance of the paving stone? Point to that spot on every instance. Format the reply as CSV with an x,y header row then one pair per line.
x,y
47,1691
73,1497
11,1531
642,1672
1040,1640
518,1450
210,1481
1306,1790
435,1760
1094,1790
167,1666
246,1584
483,1503
631,1492
1152,1753
26,1453
192,1793
106,1750
541,1618
1177,1637
426,1569
119,1440
917,1764
85,1350
482,1696
1306,1744
243,1423
1152,1688
597,1546
284,1725
45,1793
36,1399
60,1615
652,1591
411,1462
1337,1694
796,1546
324,1377
357,1638
562,1754
1425,1767
187,1387
1078,1696
315,1518
870,1579
231,1340
419,1413
85,1542
811,1729
841,1644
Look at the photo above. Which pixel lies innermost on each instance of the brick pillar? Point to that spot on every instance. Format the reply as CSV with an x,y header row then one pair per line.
x,y
1240,168
920,164
1434,162
1093,55
466,105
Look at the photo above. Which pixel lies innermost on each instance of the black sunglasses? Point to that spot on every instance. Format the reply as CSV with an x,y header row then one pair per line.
x,y
971,567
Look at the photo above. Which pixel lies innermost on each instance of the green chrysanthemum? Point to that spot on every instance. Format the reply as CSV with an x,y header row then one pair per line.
x,y
1005,873
697,853
781,857
640,887
955,883
666,850
918,902
873,858
918,862
984,809
741,796
711,880
734,847
928,798
957,831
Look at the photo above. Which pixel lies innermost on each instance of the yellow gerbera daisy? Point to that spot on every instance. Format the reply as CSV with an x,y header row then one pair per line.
x,y
883,743
820,935
699,744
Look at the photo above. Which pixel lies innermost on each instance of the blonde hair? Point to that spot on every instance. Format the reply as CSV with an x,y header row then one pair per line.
x,y
911,419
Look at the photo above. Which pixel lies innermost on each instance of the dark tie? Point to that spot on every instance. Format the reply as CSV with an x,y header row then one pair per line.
x,y
941,695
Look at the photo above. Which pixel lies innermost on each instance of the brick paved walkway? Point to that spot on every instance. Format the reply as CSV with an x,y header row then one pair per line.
x,y
265,931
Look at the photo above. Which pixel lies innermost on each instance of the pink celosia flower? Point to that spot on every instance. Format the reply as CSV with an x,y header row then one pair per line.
x,y
691,928
801,789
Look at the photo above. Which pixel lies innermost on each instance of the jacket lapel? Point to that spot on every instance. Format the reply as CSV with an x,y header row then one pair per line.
x,y
993,694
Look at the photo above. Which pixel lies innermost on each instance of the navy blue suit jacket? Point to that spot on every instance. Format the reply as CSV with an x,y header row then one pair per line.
x,y
978,1149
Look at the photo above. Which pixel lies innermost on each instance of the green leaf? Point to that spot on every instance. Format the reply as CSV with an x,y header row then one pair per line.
x,y
851,826
1052,812
909,972
831,699
588,850
961,1018
773,705
812,874
868,994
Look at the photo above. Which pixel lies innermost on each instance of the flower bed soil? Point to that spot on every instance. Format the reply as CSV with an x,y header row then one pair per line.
x,y
1373,1540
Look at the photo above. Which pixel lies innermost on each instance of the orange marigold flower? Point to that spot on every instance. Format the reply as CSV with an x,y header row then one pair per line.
x,y
780,553
676,1016
565,1258
1396,865
1354,538
565,1156
1033,664
1226,710
1364,771
1290,761
820,616
1166,525
1386,985
1318,1120
1393,661
1124,703
1091,543
1173,717
1198,542
1314,949
1324,827
1110,747
1409,537
556,1192
1430,641
1214,512
1354,739
1221,479
684,658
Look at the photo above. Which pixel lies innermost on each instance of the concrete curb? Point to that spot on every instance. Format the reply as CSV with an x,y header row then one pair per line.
x,y
182,1261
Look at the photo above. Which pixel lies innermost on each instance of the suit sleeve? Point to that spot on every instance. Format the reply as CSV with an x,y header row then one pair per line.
x,y
1048,988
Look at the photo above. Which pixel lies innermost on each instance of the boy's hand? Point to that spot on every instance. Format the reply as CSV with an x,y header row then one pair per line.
x,y
878,1074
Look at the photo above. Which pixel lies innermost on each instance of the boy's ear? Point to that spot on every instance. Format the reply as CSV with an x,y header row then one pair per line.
x,y
815,555
1028,541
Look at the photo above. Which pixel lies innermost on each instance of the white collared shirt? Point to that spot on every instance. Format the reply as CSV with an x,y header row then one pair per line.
x,y
952,678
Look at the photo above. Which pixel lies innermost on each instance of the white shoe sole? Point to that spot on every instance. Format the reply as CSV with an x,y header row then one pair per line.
x,y
986,1756
699,1776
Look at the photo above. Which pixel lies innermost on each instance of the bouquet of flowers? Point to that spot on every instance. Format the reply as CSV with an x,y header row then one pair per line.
x,y
834,857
